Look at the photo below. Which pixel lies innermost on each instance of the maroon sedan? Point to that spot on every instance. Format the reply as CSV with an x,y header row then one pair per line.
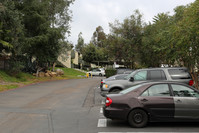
x,y
153,102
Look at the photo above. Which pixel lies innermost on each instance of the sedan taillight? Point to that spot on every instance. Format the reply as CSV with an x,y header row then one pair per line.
x,y
191,82
108,101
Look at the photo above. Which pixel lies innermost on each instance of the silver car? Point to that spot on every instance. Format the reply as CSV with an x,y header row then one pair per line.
x,y
97,72
114,77
177,74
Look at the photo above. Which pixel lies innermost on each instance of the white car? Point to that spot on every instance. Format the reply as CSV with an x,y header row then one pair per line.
x,y
97,72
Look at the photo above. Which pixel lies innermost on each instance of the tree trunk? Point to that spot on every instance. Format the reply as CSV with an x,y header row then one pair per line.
x,y
54,64
38,70
194,77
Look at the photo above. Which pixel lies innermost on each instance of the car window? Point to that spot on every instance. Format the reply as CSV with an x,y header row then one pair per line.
x,y
179,74
157,90
102,69
131,88
142,75
184,91
157,75
130,75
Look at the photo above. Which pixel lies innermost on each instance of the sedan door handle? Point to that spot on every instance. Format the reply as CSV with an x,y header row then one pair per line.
x,y
144,100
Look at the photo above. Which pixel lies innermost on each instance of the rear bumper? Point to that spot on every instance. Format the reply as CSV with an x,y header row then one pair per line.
x,y
112,113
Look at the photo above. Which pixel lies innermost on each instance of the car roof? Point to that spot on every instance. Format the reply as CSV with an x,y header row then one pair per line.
x,y
155,68
162,82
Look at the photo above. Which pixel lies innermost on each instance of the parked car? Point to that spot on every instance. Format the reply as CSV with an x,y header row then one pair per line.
x,y
153,102
114,77
97,72
177,74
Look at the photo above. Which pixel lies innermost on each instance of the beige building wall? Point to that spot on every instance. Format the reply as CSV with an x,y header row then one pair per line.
x,y
93,66
76,59
65,59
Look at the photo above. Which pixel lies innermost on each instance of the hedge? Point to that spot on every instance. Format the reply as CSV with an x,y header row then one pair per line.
x,y
110,72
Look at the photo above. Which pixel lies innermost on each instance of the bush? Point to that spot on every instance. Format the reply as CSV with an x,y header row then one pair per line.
x,y
110,72
15,67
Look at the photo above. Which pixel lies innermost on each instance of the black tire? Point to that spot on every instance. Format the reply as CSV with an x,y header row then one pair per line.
x,y
138,118
100,74
116,90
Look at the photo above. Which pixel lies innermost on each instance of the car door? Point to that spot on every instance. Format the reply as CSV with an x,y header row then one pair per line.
x,y
186,101
158,101
98,72
95,72
156,75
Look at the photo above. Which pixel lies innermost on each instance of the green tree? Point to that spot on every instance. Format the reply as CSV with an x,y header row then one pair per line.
x,y
130,32
92,54
46,23
11,27
115,48
11,34
80,43
155,46
99,37
186,35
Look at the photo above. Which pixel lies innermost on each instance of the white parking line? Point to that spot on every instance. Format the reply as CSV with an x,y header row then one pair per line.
x,y
103,102
101,110
102,123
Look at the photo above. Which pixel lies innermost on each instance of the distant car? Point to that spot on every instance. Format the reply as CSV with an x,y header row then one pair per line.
x,y
154,102
177,74
114,77
97,72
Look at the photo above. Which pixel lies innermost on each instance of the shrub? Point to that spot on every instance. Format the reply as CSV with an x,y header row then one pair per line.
x,y
110,72
15,67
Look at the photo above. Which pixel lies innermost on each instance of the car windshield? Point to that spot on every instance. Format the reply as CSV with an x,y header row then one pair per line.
x,y
131,88
129,76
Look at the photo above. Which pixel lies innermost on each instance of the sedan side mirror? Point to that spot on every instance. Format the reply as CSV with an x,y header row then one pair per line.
x,y
132,79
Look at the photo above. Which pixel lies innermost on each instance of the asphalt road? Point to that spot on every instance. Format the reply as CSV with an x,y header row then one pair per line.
x,y
67,106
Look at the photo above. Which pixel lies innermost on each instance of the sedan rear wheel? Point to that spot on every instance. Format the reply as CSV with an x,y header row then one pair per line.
x,y
138,118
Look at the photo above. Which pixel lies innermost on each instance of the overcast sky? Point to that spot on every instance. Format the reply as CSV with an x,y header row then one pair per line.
x,y
89,14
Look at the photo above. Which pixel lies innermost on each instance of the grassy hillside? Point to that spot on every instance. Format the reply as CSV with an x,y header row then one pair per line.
x,y
10,82
72,73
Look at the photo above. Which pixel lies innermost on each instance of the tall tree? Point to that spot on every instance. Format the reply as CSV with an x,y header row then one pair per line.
x,y
156,42
115,48
92,54
11,27
99,37
131,33
186,36
80,43
46,23
11,33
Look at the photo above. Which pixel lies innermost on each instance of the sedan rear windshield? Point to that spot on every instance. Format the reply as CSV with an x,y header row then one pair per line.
x,y
130,89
